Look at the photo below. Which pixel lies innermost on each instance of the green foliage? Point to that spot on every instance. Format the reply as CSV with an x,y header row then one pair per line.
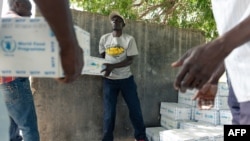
x,y
194,14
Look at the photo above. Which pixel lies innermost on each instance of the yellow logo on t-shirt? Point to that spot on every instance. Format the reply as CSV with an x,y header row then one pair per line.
x,y
114,51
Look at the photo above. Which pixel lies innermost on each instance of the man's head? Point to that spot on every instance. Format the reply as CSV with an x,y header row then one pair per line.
x,y
117,21
21,7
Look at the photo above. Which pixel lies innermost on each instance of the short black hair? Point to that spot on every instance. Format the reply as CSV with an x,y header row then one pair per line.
x,y
12,2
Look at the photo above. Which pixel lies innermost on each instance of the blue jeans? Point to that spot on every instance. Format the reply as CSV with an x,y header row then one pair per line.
x,y
21,109
4,120
128,89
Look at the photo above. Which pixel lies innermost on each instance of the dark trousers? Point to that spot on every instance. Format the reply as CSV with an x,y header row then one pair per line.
x,y
128,88
240,110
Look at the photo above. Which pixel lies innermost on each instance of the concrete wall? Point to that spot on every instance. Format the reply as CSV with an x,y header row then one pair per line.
x,y
73,112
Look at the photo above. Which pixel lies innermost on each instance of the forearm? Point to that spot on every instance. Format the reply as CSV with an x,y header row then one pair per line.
x,y
109,67
124,63
236,36
58,15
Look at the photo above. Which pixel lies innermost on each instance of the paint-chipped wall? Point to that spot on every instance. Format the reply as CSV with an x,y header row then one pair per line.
x,y
73,112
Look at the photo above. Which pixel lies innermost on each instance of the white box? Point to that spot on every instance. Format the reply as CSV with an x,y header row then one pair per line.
x,y
225,117
194,124
220,103
28,47
210,116
186,98
222,89
93,65
215,132
175,111
153,133
170,123
183,135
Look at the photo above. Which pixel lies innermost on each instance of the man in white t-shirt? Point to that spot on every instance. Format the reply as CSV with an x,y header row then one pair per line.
x,y
119,49
202,66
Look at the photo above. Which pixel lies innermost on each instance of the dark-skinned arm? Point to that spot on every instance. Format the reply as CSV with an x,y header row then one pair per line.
x,y
109,67
206,95
58,16
199,63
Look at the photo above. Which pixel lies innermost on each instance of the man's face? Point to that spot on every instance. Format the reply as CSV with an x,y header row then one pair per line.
x,y
117,23
23,9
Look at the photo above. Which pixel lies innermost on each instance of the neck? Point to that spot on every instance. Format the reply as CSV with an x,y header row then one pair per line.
x,y
117,33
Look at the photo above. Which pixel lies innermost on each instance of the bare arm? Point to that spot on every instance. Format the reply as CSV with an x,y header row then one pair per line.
x,y
217,74
110,67
198,64
58,15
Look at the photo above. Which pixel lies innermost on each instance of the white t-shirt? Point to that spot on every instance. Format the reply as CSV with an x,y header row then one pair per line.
x,y
228,13
116,50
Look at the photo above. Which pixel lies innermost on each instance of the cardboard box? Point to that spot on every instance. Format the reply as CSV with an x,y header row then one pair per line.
x,y
226,117
186,98
28,47
220,102
169,123
176,111
153,133
183,135
210,116
223,89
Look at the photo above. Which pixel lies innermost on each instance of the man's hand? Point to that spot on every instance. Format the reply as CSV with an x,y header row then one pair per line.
x,y
108,69
72,63
205,96
198,64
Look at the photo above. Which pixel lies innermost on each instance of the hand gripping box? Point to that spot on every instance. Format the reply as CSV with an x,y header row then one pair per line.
x,y
28,47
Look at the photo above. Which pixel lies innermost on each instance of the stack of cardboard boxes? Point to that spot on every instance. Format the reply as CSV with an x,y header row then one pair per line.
x,y
183,121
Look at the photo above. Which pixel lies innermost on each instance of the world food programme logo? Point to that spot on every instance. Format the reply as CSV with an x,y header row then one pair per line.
x,y
8,45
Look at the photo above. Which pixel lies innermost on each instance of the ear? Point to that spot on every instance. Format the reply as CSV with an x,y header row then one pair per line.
x,y
123,24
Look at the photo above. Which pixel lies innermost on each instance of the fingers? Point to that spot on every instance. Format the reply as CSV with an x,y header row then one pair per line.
x,y
103,70
206,105
197,94
178,84
72,61
180,61
176,64
205,97
190,78
181,74
186,80
68,78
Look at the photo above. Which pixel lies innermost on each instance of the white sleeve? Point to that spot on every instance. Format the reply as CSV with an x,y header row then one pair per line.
x,y
101,45
132,48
